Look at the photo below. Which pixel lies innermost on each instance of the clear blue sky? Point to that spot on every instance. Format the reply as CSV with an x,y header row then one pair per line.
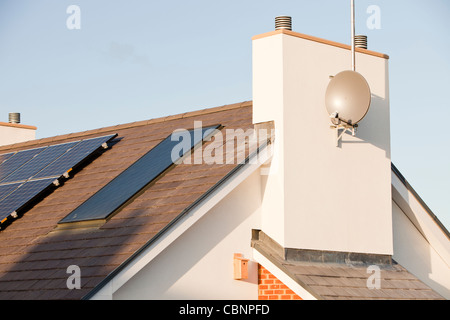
x,y
140,59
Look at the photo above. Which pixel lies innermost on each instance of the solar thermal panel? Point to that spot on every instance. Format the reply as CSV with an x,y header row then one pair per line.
x,y
134,179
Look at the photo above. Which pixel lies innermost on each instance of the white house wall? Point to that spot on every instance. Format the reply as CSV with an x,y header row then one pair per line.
x,y
199,264
10,134
417,254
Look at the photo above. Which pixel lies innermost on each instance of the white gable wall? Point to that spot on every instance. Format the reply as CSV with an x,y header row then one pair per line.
x,y
199,263
419,244
414,252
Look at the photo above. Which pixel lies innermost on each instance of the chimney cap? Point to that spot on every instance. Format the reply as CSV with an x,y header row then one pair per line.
x,y
14,117
283,22
361,41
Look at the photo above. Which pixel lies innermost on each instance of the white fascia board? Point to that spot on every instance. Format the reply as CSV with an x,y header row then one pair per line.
x,y
283,277
177,229
421,219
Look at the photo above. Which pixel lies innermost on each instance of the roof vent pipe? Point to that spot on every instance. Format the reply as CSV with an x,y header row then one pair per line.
x,y
14,117
361,41
283,22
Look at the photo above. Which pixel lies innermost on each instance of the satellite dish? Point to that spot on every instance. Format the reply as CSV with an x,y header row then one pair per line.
x,y
348,97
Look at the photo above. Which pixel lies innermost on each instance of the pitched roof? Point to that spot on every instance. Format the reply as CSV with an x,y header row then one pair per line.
x,y
35,255
334,276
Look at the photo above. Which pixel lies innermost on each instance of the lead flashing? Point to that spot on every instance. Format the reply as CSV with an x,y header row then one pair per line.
x,y
320,256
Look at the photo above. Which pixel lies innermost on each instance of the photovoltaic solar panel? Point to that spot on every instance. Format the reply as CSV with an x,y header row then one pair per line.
x,y
21,196
6,156
39,162
6,189
71,158
27,174
134,179
14,162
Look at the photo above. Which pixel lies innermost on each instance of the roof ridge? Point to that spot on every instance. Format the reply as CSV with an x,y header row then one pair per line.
x,y
127,125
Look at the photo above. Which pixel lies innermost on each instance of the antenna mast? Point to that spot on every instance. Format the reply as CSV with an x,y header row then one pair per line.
x,y
353,34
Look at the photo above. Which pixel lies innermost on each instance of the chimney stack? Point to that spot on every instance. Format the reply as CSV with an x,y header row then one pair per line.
x,y
318,196
14,132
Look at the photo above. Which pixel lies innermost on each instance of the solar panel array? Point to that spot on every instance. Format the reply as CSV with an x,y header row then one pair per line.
x,y
136,177
24,175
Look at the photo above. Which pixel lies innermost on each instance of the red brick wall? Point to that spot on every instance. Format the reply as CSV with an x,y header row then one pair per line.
x,y
270,288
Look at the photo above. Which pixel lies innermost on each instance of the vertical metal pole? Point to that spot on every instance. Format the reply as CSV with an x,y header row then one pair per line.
x,y
353,34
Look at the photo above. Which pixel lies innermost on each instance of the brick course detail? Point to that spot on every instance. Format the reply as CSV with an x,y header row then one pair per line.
x,y
270,288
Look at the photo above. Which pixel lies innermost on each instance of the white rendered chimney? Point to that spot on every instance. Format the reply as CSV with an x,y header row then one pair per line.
x,y
14,132
320,196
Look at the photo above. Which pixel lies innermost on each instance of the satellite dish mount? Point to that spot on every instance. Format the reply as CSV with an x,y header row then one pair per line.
x,y
348,95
